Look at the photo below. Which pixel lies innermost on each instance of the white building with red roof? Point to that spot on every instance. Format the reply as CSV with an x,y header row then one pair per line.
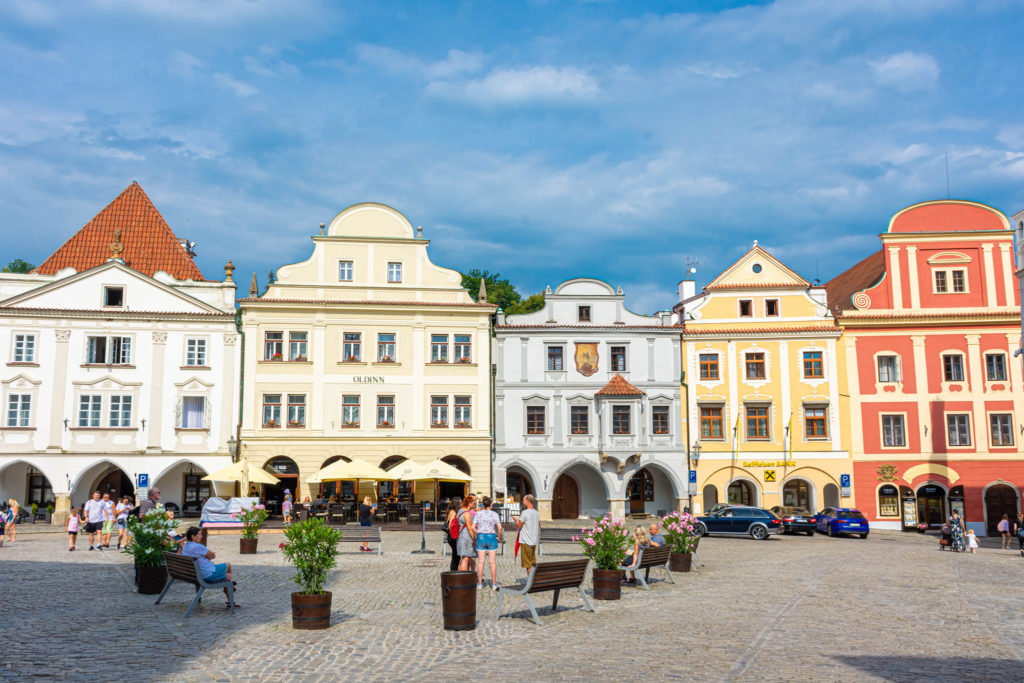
x,y
587,406
120,366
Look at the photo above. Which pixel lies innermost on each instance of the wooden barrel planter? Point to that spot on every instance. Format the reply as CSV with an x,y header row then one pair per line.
x,y
608,584
152,579
458,600
247,546
680,562
310,612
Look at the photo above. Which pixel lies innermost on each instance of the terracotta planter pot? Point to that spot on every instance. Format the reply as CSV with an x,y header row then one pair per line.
x,y
680,562
247,546
311,612
608,584
152,580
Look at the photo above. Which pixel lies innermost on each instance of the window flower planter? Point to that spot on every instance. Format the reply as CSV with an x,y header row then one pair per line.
x,y
385,425
462,424
299,359
351,359
350,424
271,424
295,424
277,356
438,424
386,359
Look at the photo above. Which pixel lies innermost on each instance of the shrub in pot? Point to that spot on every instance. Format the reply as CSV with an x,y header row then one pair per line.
x,y
606,544
149,541
312,547
252,519
680,532
32,517
49,513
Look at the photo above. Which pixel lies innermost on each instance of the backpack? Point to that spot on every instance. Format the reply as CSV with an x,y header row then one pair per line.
x,y
453,527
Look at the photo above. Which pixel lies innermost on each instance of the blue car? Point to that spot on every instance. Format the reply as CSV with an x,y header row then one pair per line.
x,y
834,521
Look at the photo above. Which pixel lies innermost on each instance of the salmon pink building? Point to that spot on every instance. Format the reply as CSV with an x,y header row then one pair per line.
x,y
931,323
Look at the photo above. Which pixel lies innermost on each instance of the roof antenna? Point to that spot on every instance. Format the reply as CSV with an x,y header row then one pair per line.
x,y
948,195
817,278
691,267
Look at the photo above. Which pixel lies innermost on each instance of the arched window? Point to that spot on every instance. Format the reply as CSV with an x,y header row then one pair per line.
x,y
710,497
392,461
282,465
797,493
518,484
741,493
458,463
888,501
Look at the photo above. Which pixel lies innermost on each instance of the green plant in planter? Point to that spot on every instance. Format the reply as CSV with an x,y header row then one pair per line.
x,y
149,537
606,543
680,531
35,508
312,547
252,519
49,509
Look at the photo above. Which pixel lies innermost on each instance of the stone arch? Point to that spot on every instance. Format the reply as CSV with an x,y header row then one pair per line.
x,y
990,524
812,497
458,462
14,481
584,475
754,489
530,470
78,479
673,480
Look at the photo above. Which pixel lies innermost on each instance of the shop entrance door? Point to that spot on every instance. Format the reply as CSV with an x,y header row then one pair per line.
x,y
931,506
565,499
999,500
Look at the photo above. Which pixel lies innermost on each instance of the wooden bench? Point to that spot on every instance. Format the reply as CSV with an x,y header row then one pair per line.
x,y
182,568
556,535
359,534
648,558
550,576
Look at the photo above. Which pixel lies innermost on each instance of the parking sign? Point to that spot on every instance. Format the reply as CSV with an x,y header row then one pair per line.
x,y
143,481
844,484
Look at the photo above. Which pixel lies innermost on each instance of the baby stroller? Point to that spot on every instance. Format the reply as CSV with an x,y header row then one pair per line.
x,y
945,538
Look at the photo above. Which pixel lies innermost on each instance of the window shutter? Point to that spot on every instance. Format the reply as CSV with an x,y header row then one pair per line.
x,y
206,413
177,413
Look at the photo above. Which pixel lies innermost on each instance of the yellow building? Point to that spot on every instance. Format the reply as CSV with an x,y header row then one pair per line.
x,y
366,350
766,389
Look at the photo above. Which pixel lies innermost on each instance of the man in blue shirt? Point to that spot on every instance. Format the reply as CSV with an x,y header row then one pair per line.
x,y
656,537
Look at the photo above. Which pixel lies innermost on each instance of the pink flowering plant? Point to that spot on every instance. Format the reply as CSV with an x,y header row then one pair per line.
x,y
680,531
606,543
252,519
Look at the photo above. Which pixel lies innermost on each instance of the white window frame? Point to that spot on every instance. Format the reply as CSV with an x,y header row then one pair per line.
x,y
668,418
629,418
298,348
205,413
297,410
547,357
392,268
350,405
462,345
903,429
124,296
195,352
1002,359
119,414
382,348
625,358
896,367
463,408
385,411
23,347
124,351
273,347
439,412
351,271
958,417
991,431
963,371
350,345
271,412
439,348
19,410
94,411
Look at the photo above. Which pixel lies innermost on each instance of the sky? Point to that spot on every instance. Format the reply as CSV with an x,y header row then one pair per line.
x,y
540,140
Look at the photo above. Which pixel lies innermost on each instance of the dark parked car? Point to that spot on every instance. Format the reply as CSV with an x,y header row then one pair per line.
x,y
796,520
834,521
740,520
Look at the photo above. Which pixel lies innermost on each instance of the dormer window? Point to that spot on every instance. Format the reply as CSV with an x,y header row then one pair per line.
x,y
583,314
394,272
746,308
113,297
771,308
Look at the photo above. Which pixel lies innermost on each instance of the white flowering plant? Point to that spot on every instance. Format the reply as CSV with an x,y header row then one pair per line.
x,y
150,537
606,544
680,531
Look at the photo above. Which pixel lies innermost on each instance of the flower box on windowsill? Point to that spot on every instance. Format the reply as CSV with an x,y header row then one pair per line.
x,y
462,425
295,424
271,424
464,361
385,425
277,356
299,359
439,425
350,425
351,359
386,359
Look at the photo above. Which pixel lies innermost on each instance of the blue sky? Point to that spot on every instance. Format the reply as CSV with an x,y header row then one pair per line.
x,y
543,140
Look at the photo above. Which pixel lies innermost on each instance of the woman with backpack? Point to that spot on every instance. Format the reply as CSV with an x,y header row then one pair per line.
x,y
467,534
451,534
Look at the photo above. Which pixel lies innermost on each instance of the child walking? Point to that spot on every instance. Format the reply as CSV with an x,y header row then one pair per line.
x,y
72,528
286,508
972,540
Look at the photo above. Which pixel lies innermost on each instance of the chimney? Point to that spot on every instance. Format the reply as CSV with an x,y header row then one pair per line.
x,y
687,288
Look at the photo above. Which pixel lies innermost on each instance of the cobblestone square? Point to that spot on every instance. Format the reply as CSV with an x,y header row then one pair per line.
x,y
891,607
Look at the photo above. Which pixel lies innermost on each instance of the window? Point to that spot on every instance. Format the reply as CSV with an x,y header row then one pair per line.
x,y
711,423
618,354
534,419
19,409
297,346
296,411
746,308
438,411
888,369
757,422
959,281
385,412
89,407
113,296
888,501
271,411
579,419
439,348
39,491
120,411
995,367
813,368
353,346
463,414
941,283
950,281
583,314
953,367
109,350
555,358
659,419
815,422
344,271
771,308
273,346
755,366
193,412
892,431
24,348
196,491
195,352
1002,429
620,420
386,347
463,348
958,428
709,366
350,411
394,272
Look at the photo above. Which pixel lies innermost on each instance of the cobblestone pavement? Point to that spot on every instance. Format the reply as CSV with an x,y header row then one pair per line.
x,y
791,608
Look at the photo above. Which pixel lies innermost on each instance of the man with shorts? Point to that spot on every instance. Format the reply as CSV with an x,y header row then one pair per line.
x,y
121,510
529,533
109,519
94,519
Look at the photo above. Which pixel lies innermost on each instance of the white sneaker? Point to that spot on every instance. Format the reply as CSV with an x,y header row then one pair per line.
x,y
494,586
479,586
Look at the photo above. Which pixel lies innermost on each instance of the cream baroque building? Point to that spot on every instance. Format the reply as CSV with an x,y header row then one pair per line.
x,y
366,350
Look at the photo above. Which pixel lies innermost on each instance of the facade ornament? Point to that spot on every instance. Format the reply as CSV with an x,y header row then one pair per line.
x,y
254,287
63,336
116,248
419,232
230,339
229,269
482,296
159,337
887,473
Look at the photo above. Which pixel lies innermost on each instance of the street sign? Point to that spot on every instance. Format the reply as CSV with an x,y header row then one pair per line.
x,y
143,481
769,475
693,483
844,484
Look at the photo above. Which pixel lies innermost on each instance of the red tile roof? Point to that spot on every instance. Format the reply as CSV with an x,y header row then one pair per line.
x,y
618,386
842,287
149,243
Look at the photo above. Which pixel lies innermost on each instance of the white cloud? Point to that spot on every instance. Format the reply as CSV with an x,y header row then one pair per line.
x,y
530,84
23,124
185,65
228,82
1011,136
388,59
719,71
268,62
907,154
907,71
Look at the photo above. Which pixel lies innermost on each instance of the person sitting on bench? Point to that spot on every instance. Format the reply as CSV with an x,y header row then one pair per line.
x,y
639,541
210,572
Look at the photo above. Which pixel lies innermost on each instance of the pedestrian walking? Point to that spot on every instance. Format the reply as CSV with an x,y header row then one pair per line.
x,y
109,519
529,533
11,523
1004,530
72,527
286,508
366,511
94,520
453,538
488,536
959,532
467,534
121,511
1019,531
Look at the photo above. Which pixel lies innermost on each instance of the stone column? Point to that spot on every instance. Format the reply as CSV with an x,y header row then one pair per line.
x,y
617,506
60,383
157,405
61,508
544,509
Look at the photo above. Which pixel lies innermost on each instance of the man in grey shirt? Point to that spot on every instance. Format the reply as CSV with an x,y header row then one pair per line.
x,y
529,533
94,512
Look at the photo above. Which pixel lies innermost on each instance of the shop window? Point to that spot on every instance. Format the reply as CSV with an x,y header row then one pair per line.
x,y
39,491
741,493
888,501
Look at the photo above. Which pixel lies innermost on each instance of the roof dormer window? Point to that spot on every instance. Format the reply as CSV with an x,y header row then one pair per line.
x,y
113,297
583,314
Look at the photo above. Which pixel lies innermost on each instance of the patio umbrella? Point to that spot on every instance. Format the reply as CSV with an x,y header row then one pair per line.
x,y
354,470
245,472
438,471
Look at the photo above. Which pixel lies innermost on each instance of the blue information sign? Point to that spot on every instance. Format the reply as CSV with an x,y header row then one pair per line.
x,y
844,480
143,481
693,476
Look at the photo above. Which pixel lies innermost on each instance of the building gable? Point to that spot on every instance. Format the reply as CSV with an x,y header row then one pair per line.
x,y
757,269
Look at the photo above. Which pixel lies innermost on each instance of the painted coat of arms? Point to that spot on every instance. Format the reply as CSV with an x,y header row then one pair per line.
x,y
887,473
586,358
